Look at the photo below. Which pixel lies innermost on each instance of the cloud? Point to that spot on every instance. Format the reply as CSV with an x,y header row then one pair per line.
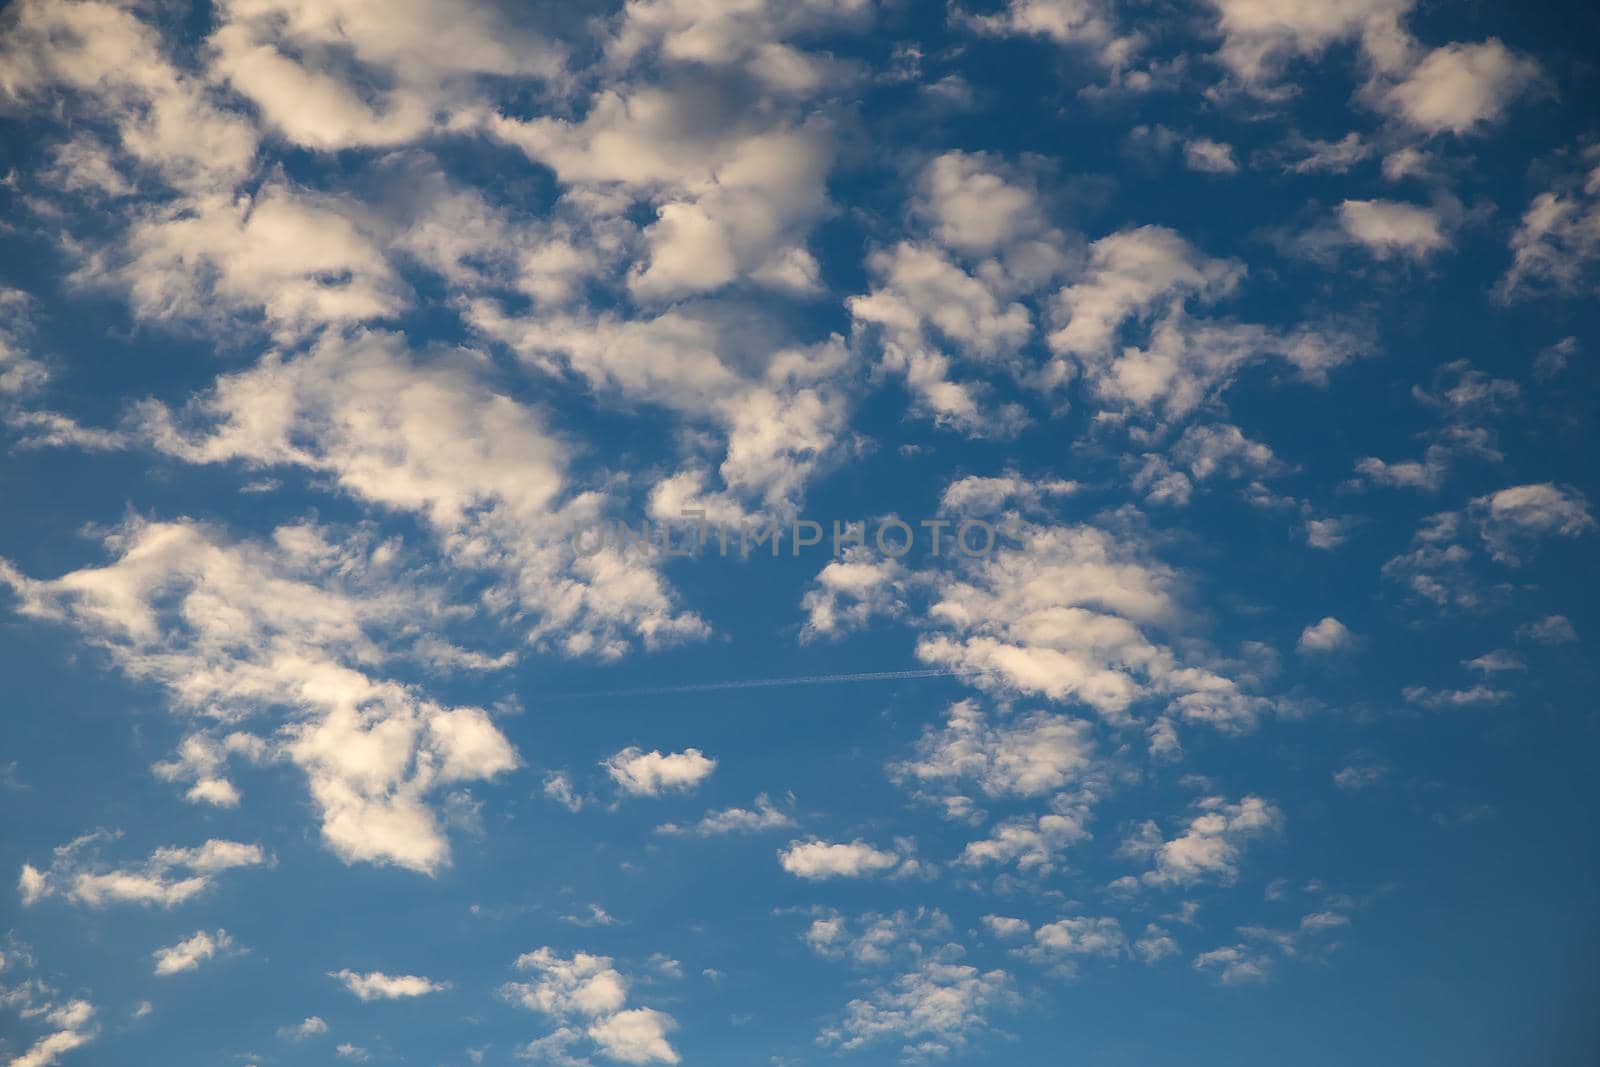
x,y
1137,285
1088,24
818,860
1512,517
1303,155
649,774
1033,843
375,985
847,593
1460,87
933,1010
311,1026
1388,228
1329,635
367,74
1067,615
1495,662
170,876
927,313
1422,696
1550,630
1260,37
188,954
875,940
764,816
1210,846
1234,964
1028,755
1064,939
70,1022
1359,776
1555,248
558,787
588,991
298,642
432,438
1155,944
1209,157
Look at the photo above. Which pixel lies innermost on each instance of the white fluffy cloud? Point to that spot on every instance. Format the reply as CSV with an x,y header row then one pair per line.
x,y
375,985
1328,635
1259,37
818,860
649,774
1388,228
188,954
933,1010
1026,755
287,631
168,877
587,990
1209,848
1067,615
1459,87
1513,517
1138,283
434,439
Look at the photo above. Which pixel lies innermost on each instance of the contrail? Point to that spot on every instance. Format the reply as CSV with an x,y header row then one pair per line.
x,y
766,683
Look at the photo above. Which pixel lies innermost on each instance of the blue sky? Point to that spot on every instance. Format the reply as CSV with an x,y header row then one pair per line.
x,y
338,339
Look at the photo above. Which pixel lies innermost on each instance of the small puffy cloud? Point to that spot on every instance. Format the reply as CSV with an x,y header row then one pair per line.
x,y
648,774
764,816
1459,87
933,1010
1260,37
1327,533
637,1035
1155,944
1067,614
874,939
1550,630
849,592
355,1053
1495,662
1033,843
1005,926
1329,635
1209,157
375,985
1390,228
559,788
1026,755
1087,24
988,496
1210,846
816,860
310,1026
1523,513
1079,936
588,991
188,954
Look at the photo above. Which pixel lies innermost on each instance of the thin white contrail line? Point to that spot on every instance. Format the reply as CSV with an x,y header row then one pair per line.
x,y
765,683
